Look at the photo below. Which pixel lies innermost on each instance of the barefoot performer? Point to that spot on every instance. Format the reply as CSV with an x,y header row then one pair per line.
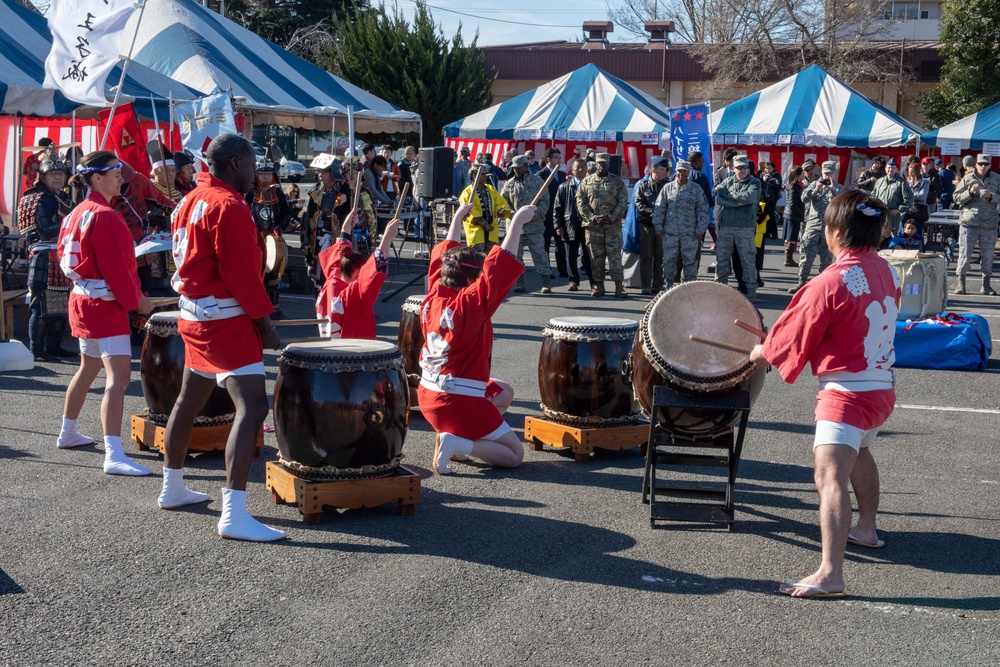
x,y
97,255
466,288
843,323
225,325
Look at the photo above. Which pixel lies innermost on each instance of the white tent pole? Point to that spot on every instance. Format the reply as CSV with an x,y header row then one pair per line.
x,y
333,134
121,81
350,132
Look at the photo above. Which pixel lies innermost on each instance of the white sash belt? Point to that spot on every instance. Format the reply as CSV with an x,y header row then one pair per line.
x,y
93,288
209,309
447,384
873,379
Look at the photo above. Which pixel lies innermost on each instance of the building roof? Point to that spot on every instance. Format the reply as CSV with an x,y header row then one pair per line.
x,y
633,61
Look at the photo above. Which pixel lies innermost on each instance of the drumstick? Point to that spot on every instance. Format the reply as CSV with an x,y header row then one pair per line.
x,y
721,345
402,197
357,190
295,323
545,188
746,327
305,339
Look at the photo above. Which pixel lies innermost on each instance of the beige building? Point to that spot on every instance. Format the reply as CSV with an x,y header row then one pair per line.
x,y
672,75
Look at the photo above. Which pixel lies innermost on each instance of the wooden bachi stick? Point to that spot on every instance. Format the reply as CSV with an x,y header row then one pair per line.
x,y
721,345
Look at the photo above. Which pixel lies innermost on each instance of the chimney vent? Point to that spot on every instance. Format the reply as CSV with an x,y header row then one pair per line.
x,y
597,34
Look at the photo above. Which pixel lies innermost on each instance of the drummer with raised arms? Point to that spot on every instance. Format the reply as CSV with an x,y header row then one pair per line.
x,y
466,289
353,280
843,323
225,325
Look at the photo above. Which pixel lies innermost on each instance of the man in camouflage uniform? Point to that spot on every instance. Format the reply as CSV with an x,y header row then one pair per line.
x,y
978,193
736,200
818,196
602,200
680,218
519,190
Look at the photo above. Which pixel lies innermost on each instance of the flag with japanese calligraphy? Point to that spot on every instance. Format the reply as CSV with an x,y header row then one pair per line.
x,y
689,133
201,120
87,41
126,138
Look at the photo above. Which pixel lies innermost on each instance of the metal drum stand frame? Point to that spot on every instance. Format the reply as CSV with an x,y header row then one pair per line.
x,y
663,450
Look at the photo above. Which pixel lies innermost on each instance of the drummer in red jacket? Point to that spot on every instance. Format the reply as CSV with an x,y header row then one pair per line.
x,y
97,254
353,281
843,324
225,325
465,290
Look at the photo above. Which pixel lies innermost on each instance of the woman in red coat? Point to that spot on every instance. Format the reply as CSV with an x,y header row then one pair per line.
x,y
347,300
97,254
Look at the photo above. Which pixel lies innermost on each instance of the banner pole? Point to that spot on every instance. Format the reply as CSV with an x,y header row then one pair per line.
x,y
163,158
121,81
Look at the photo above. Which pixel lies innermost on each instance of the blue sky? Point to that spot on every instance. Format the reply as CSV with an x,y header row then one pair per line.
x,y
529,21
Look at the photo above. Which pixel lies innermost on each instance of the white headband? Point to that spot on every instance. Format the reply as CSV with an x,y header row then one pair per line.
x,y
164,163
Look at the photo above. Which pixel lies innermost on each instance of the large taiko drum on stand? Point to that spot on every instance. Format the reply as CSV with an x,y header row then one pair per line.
x,y
583,376
162,371
411,337
664,355
341,409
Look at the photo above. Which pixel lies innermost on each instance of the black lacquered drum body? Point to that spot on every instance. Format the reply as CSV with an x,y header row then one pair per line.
x,y
411,338
663,354
341,408
162,371
583,375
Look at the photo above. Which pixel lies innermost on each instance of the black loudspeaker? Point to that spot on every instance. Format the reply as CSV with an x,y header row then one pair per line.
x,y
615,166
434,177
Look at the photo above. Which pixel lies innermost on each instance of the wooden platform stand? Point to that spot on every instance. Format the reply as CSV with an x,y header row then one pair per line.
x,y
710,499
541,433
312,497
148,435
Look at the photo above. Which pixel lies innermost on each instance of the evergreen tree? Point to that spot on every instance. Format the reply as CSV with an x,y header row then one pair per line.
x,y
413,66
970,32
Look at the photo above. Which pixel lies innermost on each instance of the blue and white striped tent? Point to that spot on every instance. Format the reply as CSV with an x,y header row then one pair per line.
x,y
25,42
198,47
971,131
812,108
586,100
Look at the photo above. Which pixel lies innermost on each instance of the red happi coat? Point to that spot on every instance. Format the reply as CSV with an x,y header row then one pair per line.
x,y
219,252
843,323
95,244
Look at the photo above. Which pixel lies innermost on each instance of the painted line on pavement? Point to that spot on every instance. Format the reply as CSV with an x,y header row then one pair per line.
x,y
947,409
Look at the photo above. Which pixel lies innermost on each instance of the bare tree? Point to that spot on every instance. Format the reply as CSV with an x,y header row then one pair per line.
x,y
742,43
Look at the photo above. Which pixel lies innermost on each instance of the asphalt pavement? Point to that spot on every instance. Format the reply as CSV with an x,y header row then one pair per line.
x,y
550,564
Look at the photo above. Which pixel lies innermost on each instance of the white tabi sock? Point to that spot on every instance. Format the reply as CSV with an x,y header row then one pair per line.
x,y
115,461
70,437
237,524
450,445
175,494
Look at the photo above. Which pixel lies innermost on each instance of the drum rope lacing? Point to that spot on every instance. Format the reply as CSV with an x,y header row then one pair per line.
x,y
588,422
591,334
333,472
220,420
340,364
665,369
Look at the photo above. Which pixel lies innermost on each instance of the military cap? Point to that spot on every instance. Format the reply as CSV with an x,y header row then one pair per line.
x,y
519,161
829,167
683,165
602,157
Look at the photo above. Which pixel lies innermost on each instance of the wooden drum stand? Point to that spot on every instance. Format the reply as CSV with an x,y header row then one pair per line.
x,y
312,497
582,440
209,438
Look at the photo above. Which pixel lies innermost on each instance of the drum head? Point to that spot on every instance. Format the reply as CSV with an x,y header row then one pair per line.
x,y
413,303
591,328
163,324
344,355
706,309
275,253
